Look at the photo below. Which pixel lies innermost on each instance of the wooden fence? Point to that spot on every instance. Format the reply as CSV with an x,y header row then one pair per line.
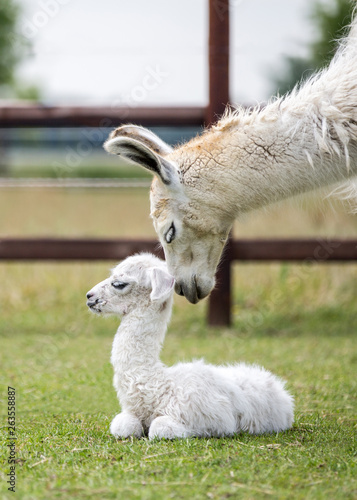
x,y
316,250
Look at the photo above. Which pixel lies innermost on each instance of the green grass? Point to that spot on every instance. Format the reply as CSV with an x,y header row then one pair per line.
x,y
298,321
56,355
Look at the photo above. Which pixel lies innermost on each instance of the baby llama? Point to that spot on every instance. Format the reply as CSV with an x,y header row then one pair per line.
x,y
187,399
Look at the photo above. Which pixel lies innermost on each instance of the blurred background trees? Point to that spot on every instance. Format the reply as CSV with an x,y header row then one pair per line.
x,y
10,52
13,48
330,22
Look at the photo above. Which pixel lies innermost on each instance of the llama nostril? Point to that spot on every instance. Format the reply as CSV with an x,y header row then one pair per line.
x,y
89,295
93,302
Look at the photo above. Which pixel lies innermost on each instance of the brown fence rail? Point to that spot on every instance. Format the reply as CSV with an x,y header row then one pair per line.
x,y
73,249
315,250
102,117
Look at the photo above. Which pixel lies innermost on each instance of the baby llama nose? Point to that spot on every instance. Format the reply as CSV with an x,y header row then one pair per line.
x,y
89,295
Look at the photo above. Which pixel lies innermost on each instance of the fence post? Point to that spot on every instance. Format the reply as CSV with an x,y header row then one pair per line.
x,y
219,307
220,301
218,55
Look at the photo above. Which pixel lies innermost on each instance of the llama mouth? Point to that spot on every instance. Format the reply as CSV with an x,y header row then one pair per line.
x,y
95,309
191,291
96,306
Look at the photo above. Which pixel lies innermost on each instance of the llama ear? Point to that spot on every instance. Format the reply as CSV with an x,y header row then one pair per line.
x,y
143,135
144,148
162,284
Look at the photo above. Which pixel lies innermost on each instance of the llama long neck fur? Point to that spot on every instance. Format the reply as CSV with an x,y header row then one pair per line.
x,y
295,144
138,341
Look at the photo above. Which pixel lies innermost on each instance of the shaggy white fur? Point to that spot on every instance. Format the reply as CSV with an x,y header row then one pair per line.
x,y
187,399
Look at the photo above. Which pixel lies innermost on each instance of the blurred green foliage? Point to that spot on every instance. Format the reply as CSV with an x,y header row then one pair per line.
x,y
12,44
330,23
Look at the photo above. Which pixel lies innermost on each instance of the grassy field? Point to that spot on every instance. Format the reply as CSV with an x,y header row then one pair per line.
x,y
298,321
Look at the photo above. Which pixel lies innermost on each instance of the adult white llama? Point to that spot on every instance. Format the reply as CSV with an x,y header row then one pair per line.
x,y
247,160
187,399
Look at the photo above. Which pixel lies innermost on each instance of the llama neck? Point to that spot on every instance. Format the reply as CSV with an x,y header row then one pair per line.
x,y
290,159
273,160
296,144
138,341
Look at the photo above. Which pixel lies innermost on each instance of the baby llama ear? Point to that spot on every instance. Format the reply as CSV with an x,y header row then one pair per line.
x,y
162,284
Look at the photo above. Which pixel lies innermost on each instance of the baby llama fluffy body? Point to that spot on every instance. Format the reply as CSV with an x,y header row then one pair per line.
x,y
187,399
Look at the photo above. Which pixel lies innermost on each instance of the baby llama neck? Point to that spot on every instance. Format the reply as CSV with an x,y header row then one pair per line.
x,y
139,338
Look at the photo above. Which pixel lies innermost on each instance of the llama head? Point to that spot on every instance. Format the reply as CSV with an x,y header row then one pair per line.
x,y
192,225
138,281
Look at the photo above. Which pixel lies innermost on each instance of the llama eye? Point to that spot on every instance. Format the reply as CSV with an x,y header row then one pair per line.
x,y
170,235
119,285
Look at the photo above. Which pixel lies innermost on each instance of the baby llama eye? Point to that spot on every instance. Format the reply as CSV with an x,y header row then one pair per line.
x,y
170,235
119,285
